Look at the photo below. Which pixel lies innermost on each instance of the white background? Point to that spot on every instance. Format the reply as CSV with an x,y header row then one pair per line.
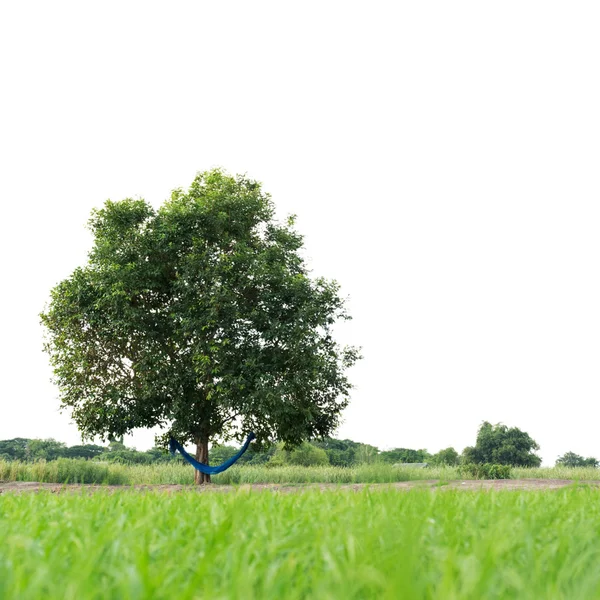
x,y
442,158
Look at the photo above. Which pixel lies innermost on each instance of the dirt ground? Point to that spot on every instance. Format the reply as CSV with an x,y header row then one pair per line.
x,y
23,487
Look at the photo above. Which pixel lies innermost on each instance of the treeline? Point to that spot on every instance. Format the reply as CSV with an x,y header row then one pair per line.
x,y
32,450
339,453
496,445
330,451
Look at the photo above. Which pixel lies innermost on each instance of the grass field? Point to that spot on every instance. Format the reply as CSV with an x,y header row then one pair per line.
x,y
81,471
257,545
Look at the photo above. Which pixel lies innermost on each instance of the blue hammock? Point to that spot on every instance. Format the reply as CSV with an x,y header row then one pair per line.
x,y
175,445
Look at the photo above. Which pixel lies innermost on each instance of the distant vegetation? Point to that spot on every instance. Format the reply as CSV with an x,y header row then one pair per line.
x,y
32,450
501,445
497,450
570,459
330,451
68,470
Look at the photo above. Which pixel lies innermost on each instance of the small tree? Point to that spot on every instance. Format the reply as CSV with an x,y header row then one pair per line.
x,y
199,318
448,456
221,453
341,453
48,449
501,445
404,455
570,459
307,455
304,455
366,454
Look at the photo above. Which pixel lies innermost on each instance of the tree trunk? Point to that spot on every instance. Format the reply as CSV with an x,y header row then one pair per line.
x,y
201,456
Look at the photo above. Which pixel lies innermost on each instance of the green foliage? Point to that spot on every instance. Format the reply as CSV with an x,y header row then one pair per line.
x,y
404,455
87,451
15,449
307,455
570,459
485,471
346,453
220,453
178,472
357,546
366,454
290,474
48,449
257,456
557,472
116,446
254,456
499,444
448,456
201,318
128,456
342,453
64,470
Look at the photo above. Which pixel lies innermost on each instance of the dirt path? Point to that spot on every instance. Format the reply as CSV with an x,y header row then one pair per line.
x,y
21,487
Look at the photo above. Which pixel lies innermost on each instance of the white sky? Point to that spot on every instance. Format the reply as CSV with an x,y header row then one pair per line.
x,y
442,158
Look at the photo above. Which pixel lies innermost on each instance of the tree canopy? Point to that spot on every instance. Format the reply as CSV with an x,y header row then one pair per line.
x,y
570,459
447,456
405,455
501,445
199,318
15,449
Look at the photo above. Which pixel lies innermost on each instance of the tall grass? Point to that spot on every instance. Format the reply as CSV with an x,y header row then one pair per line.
x,y
65,470
81,471
577,473
366,473
383,545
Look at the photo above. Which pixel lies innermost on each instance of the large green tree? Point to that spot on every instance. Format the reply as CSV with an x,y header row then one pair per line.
x,y
200,318
502,445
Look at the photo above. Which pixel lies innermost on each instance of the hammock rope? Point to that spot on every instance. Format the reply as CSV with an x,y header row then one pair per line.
x,y
174,446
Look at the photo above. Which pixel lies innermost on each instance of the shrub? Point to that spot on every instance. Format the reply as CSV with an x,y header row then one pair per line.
x,y
485,471
404,455
305,455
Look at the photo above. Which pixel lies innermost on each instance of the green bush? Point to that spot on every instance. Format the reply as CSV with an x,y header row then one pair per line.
x,y
341,453
305,455
485,471
308,455
404,455
448,456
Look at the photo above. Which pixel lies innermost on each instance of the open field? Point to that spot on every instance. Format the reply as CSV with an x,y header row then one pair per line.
x,y
369,544
81,471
